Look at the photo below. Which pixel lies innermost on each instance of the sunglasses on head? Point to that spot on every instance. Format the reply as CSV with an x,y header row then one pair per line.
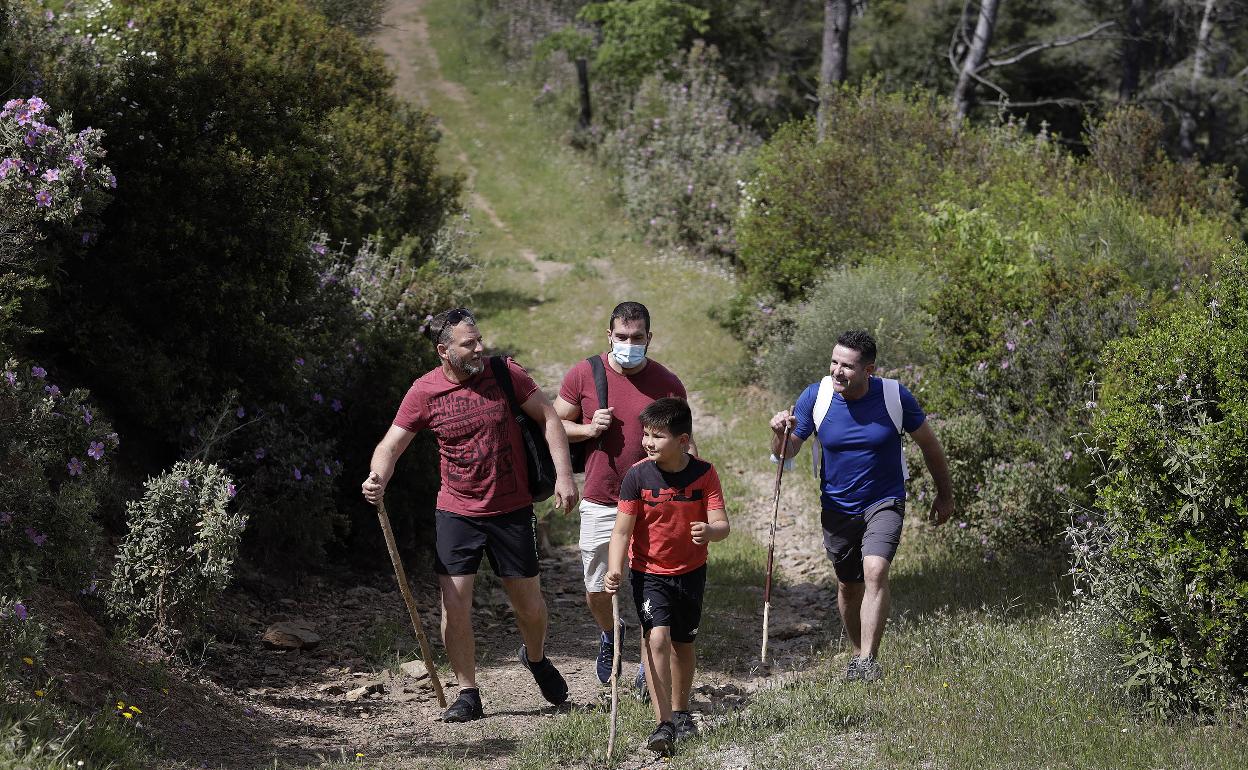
x,y
453,317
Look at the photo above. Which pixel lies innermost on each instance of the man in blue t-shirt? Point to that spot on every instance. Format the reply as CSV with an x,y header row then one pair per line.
x,y
862,485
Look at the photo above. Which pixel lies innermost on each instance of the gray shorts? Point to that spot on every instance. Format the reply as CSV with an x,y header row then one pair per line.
x,y
874,532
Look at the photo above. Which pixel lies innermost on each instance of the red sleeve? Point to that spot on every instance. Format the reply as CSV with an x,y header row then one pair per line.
x,y
679,388
570,388
714,493
413,414
521,382
630,493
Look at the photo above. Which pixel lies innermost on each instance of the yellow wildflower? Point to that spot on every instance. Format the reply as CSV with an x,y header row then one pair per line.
x,y
40,693
127,715
136,709
28,661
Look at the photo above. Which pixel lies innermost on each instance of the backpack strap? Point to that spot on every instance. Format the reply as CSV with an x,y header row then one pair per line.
x,y
892,402
600,379
823,401
498,365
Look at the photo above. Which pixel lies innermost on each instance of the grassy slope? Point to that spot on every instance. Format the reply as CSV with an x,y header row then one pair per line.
x,y
977,677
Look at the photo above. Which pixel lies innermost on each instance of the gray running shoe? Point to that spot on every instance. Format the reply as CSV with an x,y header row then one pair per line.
x,y
852,671
869,669
685,727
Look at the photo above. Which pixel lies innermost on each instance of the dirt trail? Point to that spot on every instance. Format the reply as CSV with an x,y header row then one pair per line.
x,y
298,706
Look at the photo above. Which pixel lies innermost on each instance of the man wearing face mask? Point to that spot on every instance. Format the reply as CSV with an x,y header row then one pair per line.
x,y
633,382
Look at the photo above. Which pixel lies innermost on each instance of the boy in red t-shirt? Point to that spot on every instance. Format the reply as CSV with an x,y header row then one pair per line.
x,y
671,506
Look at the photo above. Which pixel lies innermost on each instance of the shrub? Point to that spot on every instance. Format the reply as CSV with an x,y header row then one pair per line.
x,y
22,635
887,299
177,555
680,158
55,449
1165,548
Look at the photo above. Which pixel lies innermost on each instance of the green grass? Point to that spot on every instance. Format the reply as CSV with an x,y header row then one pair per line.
x,y
42,736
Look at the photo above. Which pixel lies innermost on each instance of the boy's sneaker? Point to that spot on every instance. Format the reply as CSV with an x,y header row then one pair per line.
x,y
639,684
548,678
682,722
869,669
466,707
852,671
663,740
606,651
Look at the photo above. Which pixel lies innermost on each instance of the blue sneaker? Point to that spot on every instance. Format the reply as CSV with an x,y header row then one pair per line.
x,y
606,651
639,684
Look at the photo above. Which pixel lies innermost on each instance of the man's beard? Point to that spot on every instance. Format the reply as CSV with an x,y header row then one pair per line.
x,y
459,365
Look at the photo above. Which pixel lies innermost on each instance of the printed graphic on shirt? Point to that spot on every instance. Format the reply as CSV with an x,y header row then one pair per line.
x,y
666,504
472,428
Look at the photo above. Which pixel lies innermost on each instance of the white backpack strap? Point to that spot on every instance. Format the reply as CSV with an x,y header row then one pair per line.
x,y
892,402
823,401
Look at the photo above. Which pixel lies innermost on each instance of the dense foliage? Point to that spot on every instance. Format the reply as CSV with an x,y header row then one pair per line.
x,y
1162,562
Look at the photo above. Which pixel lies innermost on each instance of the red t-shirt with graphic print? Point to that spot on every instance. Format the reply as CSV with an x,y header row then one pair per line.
x,y
665,505
610,455
483,467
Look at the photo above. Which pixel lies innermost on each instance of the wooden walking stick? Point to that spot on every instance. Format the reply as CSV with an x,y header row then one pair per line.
x,y
771,540
401,576
615,673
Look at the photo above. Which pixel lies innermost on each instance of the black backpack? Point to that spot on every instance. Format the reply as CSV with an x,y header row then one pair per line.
x,y
580,450
536,450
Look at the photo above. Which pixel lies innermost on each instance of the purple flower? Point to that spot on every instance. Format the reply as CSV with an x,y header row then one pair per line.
x,y
317,397
231,490
6,517
328,471
1009,345
13,104
260,453
51,175
52,391
43,198
77,161
112,181
298,362
185,483
1005,363
11,377
19,610
319,248
36,105
87,417
29,139
961,525
241,413
7,165
96,450
130,24
298,475
336,405
75,466
1067,455
36,537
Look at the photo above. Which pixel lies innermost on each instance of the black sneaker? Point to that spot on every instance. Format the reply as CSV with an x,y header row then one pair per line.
x,y
548,678
466,707
869,669
606,651
852,672
663,740
683,723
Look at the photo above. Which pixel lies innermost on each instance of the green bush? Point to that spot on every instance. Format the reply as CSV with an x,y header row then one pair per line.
x,y
55,449
177,555
680,158
1165,551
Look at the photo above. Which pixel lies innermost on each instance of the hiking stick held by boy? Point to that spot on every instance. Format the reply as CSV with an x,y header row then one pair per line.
x,y
671,507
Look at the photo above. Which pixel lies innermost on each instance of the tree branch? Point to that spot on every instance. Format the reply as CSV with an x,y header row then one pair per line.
x,y
1058,43
1061,101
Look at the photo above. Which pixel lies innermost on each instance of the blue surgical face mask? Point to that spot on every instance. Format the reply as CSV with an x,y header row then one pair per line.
x,y
628,355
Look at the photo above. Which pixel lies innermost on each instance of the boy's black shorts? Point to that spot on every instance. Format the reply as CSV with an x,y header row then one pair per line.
x,y
508,540
674,601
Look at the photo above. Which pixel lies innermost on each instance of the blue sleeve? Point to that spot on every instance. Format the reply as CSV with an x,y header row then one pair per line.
x,y
805,411
912,416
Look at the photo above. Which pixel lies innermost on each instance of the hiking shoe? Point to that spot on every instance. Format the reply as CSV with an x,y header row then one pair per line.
x,y
466,707
639,684
549,680
663,740
852,671
869,669
682,722
606,651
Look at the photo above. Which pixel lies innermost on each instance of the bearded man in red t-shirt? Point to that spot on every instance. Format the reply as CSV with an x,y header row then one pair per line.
x,y
634,381
484,506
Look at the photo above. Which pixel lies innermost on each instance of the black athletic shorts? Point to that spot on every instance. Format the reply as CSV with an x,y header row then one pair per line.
x,y
674,601
508,540
874,532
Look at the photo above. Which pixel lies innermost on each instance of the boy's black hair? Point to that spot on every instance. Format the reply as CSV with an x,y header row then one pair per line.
x,y
860,340
629,311
670,413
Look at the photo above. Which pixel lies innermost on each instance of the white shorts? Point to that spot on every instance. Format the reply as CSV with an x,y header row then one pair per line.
x,y
597,523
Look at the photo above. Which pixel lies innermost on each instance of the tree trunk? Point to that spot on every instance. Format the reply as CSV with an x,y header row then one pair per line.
x,y
964,92
1136,12
833,67
582,79
1200,58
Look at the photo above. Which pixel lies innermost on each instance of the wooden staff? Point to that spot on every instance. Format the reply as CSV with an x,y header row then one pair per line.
x,y
771,541
401,576
615,674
